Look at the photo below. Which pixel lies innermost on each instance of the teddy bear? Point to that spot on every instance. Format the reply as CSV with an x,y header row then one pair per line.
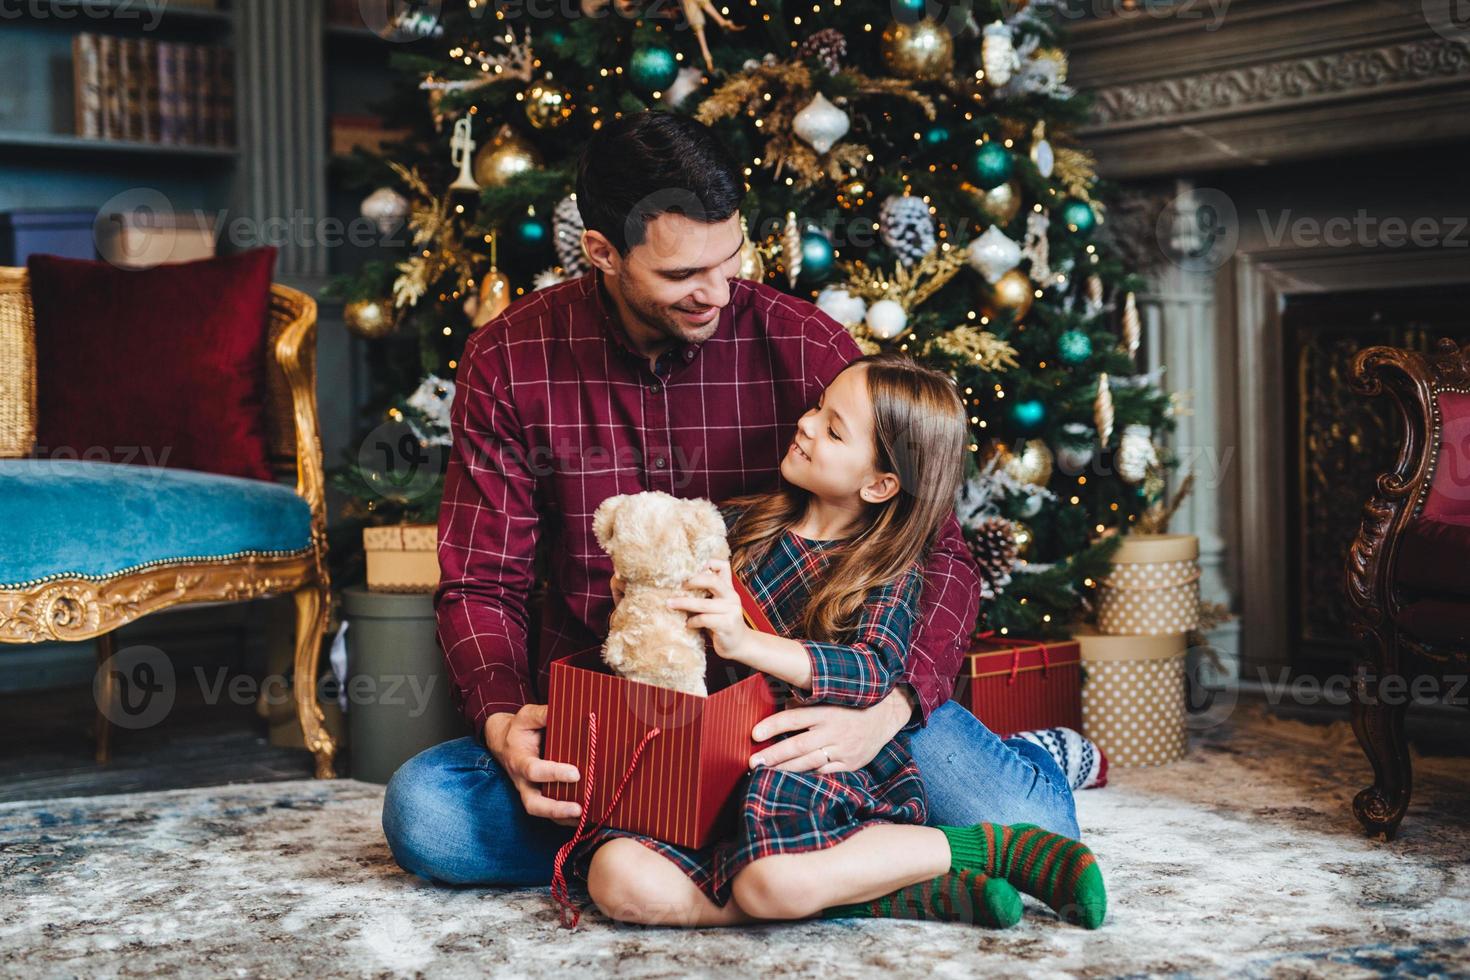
x,y
657,543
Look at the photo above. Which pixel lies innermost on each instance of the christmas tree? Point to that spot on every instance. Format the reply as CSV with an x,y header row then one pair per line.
x,y
912,173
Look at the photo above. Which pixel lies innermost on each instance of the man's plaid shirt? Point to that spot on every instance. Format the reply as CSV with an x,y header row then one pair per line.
x,y
554,412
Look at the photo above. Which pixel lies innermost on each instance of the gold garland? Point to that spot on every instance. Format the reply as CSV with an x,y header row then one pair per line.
x,y
772,94
439,245
909,285
983,348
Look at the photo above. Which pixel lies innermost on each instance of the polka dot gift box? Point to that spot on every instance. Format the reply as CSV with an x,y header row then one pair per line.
x,y
1153,589
1133,696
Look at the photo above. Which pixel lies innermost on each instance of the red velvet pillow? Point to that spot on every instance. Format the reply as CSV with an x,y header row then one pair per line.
x,y
161,366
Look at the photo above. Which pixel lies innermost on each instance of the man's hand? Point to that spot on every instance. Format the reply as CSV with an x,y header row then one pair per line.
x,y
850,736
515,742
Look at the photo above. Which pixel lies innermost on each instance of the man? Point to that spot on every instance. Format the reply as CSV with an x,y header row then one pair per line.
x,y
657,371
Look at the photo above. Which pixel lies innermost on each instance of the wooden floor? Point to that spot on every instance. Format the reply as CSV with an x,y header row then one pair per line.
x,y
46,748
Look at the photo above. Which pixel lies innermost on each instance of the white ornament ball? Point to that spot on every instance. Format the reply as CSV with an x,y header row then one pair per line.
x,y
842,306
385,208
1136,453
1074,454
993,254
886,319
998,54
1031,506
820,123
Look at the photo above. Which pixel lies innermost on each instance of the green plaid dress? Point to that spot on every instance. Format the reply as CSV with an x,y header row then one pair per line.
x,y
794,812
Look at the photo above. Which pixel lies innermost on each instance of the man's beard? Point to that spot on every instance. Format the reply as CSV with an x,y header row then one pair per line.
x,y
665,322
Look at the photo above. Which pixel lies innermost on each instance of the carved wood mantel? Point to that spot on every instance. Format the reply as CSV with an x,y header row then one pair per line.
x,y
1214,84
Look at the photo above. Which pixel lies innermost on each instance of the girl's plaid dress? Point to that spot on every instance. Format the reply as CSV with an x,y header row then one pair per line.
x,y
792,812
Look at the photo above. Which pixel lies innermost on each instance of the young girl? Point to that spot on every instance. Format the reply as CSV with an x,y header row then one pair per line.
x,y
834,557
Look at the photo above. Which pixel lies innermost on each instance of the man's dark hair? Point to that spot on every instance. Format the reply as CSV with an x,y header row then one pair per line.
x,y
651,163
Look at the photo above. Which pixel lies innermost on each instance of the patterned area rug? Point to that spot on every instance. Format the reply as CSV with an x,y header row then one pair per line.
x,y
1242,859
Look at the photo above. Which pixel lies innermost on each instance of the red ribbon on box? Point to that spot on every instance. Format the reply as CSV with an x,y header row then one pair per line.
x,y
1016,654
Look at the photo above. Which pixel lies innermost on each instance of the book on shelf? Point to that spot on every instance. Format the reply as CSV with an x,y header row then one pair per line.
x,y
146,91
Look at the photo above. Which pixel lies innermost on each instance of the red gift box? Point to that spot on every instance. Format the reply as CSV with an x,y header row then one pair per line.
x,y
1020,685
679,789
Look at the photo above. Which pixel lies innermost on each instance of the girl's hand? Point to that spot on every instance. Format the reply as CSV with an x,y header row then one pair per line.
x,y
720,614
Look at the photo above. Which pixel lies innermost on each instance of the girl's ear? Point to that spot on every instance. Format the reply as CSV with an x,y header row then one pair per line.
x,y
882,489
605,520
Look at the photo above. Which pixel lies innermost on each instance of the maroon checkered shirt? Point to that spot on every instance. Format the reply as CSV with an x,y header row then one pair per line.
x,y
554,412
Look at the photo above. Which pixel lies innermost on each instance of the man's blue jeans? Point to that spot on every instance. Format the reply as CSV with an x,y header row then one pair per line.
x,y
451,815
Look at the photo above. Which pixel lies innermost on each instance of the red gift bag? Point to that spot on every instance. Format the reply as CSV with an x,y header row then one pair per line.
x,y
1019,685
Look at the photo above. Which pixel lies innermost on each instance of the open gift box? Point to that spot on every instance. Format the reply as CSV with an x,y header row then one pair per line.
x,y
681,787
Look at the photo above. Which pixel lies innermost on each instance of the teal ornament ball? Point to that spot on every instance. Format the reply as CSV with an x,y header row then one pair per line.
x,y
936,136
652,69
1074,347
991,166
1027,416
909,11
1078,216
817,257
530,233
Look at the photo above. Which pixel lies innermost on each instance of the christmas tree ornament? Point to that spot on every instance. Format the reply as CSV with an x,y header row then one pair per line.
x,y
886,319
993,254
999,204
548,105
506,156
1132,327
696,12
817,255
530,233
853,194
385,208
936,135
1102,410
752,261
566,233
1078,216
998,54
826,47
370,319
820,123
993,546
1011,295
1136,453
547,277
652,69
1041,152
906,227
921,51
842,306
1027,415
991,165
461,145
685,84
1024,539
1094,293
494,297
1037,247
1075,448
1074,347
791,249
1033,464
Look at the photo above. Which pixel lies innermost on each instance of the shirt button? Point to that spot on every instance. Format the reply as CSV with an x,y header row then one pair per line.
x,y
655,389
660,463
689,353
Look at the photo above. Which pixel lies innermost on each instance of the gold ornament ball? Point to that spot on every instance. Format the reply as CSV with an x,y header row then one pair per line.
x,y
548,105
853,194
369,318
752,263
1012,294
495,293
1024,537
505,156
999,204
922,51
1033,464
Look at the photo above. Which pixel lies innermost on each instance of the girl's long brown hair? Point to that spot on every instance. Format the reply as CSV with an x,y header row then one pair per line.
x,y
919,434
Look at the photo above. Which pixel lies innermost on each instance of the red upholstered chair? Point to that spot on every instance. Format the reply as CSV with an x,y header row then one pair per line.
x,y
1408,572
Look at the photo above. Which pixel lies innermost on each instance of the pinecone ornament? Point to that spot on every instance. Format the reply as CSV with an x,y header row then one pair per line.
x,y
828,46
993,545
566,224
907,227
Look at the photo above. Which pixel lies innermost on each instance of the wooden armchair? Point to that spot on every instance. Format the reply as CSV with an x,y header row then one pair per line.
x,y
229,539
1408,571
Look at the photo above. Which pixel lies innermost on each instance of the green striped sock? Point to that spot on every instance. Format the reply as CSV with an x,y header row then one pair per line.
x,y
963,896
1060,871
